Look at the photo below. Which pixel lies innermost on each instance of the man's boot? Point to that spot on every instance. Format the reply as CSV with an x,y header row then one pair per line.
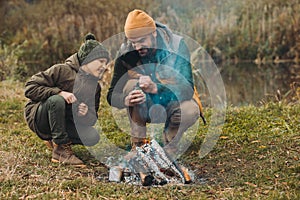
x,y
63,153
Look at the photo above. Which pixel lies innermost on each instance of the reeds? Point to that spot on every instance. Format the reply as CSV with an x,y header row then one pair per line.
x,y
240,30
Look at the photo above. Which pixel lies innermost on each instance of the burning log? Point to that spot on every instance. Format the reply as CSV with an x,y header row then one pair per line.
x,y
150,165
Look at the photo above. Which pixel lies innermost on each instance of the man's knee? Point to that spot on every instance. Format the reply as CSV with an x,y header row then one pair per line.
x,y
130,85
187,113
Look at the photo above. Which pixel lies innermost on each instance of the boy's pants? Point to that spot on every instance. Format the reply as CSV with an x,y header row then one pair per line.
x,y
54,117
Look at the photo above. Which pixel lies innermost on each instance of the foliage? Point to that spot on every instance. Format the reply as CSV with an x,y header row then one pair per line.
x,y
250,29
53,30
245,30
10,63
256,157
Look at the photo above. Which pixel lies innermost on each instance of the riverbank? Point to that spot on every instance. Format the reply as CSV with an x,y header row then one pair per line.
x,y
256,156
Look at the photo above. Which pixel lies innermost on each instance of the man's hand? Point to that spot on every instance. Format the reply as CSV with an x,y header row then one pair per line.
x,y
135,97
147,85
82,109
68,96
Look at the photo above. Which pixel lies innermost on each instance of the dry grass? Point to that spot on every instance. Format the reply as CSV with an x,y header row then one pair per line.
x,y
256,157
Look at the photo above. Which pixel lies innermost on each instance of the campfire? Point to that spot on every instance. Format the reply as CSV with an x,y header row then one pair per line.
x,y
149,165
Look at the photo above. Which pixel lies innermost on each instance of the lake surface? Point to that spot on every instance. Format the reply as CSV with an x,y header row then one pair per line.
x,y
248,83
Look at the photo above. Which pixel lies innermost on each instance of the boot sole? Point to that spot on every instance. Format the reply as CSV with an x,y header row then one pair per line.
x,y
75,165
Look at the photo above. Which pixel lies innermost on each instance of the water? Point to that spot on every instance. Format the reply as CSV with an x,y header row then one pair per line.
x,y
248,83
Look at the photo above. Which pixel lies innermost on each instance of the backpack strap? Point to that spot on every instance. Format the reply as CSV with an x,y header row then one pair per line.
x,y
176,42
196,97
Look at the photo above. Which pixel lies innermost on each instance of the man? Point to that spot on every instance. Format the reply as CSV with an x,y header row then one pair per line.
x,y
153,79
64,101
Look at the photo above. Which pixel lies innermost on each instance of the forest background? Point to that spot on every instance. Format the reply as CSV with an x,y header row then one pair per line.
x,y
34,34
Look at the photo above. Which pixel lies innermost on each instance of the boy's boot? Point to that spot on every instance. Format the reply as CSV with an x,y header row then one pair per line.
x,y
63,153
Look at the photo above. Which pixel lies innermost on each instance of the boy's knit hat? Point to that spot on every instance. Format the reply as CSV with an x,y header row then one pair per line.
x,y
138,24
91,50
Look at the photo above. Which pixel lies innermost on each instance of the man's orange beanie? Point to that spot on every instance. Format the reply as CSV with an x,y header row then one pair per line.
x,y
138,24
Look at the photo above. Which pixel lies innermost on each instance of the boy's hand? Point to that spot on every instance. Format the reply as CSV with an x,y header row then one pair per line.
x,y
68,96
82,109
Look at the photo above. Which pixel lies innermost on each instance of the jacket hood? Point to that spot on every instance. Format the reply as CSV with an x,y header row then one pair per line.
x,y
166,35
73,62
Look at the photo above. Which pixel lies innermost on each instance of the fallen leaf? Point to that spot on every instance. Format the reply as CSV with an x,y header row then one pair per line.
x,y
250,184
223,137
262,147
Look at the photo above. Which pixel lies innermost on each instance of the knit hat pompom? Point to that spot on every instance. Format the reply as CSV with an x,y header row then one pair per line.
x,y
90,36
138,24
91,50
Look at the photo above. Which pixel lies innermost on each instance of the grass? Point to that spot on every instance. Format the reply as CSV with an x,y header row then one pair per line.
x,y
256,157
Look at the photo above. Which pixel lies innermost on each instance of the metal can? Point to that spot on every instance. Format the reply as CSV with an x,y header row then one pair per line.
x,y
115,174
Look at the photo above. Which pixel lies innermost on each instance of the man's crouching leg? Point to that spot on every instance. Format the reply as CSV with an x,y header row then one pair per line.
x,y
138,130
138,127
137,116
180,118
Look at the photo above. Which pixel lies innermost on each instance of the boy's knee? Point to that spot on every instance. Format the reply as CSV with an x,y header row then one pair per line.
x,y
57,100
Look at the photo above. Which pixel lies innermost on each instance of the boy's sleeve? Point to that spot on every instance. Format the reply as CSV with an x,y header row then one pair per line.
x,y
43,84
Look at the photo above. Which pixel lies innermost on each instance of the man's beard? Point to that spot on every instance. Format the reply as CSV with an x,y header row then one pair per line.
x,y
144,52
148,51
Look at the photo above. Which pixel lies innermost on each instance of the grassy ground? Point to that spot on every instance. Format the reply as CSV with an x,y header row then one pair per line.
x,y
256,157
